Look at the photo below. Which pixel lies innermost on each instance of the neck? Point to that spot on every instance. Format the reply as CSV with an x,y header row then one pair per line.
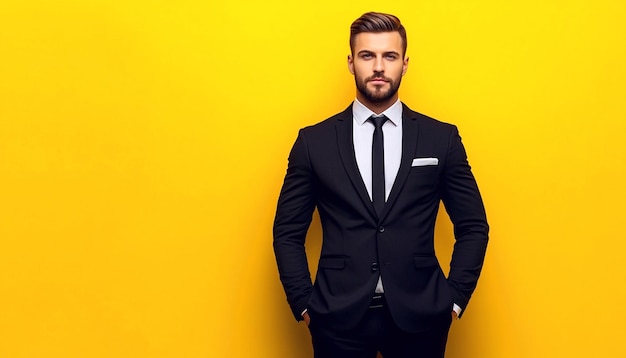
x,y
377,107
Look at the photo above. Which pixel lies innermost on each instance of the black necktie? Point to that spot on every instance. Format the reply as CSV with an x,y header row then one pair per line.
x,y
378,164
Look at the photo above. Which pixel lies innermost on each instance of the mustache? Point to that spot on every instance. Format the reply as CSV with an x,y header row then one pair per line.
x,y
378,76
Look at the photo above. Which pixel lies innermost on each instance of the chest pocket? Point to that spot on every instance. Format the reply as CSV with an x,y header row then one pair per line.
x,y
423,177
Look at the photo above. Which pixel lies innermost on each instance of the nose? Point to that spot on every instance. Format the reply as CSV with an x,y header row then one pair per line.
x,y
379,65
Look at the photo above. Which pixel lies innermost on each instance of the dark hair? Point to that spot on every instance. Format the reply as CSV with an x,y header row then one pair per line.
x,y
377,22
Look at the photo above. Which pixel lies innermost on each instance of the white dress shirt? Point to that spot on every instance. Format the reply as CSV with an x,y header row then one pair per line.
x,y
362,133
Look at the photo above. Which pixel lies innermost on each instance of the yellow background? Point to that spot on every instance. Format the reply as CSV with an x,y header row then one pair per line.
x,y
143,145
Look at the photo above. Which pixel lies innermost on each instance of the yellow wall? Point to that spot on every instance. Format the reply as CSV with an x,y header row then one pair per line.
x,y
143,145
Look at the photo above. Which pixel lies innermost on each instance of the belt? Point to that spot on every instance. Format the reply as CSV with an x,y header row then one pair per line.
x,y
378,301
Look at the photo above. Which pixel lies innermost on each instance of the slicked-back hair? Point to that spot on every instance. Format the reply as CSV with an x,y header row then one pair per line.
x,y
377,22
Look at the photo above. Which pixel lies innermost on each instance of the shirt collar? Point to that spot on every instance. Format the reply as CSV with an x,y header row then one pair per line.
x,y
362,114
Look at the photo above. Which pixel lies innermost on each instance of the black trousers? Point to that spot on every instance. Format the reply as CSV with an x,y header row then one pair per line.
x,y
378,333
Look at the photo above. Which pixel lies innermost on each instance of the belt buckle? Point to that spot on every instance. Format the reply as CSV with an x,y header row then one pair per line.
x,y
377,301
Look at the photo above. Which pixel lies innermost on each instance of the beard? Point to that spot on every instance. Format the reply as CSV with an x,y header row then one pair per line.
x,y
378,95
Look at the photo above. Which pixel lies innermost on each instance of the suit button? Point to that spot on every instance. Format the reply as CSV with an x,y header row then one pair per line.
x,y
375,267
381,229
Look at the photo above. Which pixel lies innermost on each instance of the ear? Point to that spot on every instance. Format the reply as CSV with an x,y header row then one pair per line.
x,y
351,64
405,65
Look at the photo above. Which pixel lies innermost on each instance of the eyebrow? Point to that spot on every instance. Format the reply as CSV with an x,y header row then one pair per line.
x,y
384,53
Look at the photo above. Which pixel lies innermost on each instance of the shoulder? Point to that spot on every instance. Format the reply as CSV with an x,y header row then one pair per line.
x,y
329,123
426,122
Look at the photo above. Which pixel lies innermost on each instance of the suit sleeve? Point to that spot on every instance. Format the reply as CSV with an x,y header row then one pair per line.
x,y
296,204
464,205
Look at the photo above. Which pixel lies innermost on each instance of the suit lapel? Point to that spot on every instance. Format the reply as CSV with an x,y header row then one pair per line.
x,y
345,142
410,129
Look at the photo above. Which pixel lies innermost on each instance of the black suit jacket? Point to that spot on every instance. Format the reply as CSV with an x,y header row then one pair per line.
x,y
358,246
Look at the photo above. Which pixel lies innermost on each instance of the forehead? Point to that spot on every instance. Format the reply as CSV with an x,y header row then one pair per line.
x,y
378,42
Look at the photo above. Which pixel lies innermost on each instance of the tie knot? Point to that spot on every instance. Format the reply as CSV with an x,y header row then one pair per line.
x,y
378,121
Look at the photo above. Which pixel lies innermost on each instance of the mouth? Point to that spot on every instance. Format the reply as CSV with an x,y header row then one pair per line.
x,y
378,81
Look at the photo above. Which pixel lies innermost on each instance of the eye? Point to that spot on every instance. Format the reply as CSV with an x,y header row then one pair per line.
x,y
391,56
366,56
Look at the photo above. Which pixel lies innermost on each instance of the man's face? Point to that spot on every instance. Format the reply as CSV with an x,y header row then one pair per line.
x,y
378,66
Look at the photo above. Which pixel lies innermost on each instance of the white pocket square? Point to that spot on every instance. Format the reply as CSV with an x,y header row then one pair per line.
x,y
420,162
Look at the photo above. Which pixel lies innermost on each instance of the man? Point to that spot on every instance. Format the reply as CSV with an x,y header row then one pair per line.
x,y
377,172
